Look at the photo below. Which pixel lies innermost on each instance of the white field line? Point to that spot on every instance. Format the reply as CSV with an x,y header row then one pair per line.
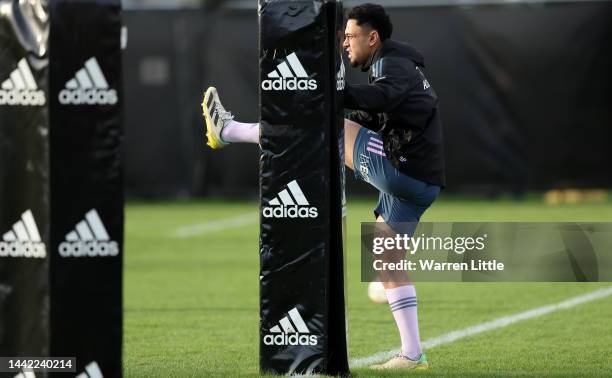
x,y
491,325
215,226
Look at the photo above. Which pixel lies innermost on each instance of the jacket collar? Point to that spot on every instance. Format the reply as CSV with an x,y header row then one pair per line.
x,y
373,58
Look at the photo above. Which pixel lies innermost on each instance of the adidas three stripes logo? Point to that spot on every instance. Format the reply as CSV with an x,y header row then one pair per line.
x,y
92,370
216,111
291,67
21,78
287,199
288,327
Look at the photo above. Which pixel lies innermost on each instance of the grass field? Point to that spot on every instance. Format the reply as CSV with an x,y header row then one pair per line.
x,y
191,298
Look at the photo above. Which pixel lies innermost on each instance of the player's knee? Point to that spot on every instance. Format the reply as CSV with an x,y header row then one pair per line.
x,y
349,144
351,131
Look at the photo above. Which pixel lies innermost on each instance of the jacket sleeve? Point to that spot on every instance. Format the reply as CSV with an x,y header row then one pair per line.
x,y
395,79
365,119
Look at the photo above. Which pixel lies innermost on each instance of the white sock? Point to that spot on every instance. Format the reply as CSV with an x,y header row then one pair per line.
x,y
403,303
235,132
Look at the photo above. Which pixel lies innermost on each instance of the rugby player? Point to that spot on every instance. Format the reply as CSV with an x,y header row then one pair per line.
x,y
393,141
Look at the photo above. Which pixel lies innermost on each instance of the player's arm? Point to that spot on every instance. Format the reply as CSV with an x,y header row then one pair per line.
x,y
397,76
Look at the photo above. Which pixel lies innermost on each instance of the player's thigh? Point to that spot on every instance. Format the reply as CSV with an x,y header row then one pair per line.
x,y
351,130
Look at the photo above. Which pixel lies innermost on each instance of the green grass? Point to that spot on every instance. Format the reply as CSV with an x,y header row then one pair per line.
x,y
191,304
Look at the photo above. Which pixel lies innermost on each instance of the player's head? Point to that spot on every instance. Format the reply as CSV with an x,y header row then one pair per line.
x,y
367,27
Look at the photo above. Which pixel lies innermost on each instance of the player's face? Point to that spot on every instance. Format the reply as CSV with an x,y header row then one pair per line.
x,y
358,43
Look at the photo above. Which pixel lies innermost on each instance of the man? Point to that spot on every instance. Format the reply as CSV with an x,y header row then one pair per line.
x,y
393,140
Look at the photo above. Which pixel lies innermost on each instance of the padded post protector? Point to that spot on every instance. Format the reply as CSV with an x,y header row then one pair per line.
x,y
61,193
302,309
24,190
86,184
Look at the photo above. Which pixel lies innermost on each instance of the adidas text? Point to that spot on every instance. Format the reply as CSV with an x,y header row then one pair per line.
x,y
290,212
23,249
22,97
291,84
88,97
290,339
89,249
340,84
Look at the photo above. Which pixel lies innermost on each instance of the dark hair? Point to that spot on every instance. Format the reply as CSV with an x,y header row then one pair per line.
x,y
373,15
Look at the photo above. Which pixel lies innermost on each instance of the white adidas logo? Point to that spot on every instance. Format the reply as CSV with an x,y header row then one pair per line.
x,y
340,82
23,240
290,203
296,333
92,370
426,84
20,88
88,87
289,75
89,239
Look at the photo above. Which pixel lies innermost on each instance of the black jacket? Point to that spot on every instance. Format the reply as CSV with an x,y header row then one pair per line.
x,y
400,104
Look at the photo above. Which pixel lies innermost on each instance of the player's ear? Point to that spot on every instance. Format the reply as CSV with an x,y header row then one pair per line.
x,y
373,37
